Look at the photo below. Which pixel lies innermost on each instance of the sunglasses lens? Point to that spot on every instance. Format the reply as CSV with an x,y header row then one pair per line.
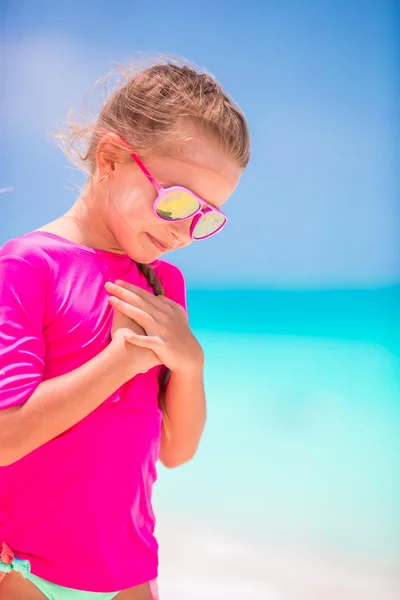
x,y
177,205
209,223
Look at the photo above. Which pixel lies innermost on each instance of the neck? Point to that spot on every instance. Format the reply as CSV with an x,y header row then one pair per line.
x,y
84,224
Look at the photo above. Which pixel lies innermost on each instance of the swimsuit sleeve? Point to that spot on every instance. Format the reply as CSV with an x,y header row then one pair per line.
x,y
22,347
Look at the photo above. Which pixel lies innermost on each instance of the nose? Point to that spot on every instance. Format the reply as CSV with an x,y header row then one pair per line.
x,y
181,232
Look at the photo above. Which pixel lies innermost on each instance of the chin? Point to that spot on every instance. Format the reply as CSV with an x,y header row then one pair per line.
x,y
147,261
139,255
142,250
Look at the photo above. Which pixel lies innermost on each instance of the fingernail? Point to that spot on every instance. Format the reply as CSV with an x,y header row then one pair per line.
x,y
118,282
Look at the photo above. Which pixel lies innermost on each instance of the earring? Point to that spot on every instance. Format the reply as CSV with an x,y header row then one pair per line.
x,y
105,176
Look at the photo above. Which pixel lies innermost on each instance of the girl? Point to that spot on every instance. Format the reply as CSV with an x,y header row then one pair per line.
x,y
100,375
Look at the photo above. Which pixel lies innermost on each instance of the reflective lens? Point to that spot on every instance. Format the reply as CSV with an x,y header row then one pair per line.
x,y
209,223
177,205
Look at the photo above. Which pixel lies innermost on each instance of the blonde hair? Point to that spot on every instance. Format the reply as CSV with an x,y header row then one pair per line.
x,y
154,109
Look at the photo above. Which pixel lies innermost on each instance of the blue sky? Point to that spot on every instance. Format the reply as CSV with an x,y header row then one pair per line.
x,y
319,82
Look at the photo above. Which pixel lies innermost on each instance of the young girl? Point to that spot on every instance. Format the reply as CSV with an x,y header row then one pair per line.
x,y
100,374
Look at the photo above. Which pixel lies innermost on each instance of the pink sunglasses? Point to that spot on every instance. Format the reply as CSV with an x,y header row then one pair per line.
x,y
177,203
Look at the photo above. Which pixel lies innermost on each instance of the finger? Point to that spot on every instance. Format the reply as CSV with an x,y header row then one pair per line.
x,y
133,312
129,296
144,341
124,322
151,298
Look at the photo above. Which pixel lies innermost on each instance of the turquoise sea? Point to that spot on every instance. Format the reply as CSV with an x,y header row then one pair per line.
x,y
300,457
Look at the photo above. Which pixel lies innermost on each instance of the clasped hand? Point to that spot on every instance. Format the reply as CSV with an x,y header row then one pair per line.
x,y
165,324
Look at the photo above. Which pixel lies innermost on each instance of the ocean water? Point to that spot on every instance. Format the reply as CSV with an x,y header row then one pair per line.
x,y
295,490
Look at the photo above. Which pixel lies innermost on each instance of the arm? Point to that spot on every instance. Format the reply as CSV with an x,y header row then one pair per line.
x,y
58,404
185,405
33,411
170,338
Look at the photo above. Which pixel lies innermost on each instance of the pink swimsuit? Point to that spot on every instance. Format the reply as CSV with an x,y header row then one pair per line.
x,y
79,507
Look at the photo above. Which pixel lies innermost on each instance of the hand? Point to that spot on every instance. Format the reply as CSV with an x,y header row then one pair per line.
x,y
165,323
142,359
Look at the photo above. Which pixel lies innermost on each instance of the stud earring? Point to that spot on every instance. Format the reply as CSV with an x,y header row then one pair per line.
x,y
105,176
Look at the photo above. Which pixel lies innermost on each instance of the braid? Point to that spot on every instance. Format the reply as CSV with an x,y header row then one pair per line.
x,y
158,290
152,279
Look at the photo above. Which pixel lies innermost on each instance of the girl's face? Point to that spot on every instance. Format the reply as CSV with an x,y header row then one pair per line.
x,y
129,196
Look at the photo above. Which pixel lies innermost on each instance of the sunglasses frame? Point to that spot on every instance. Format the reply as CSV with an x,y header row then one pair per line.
x,y
162,192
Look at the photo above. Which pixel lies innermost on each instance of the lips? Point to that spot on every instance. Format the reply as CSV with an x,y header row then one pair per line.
x,y
157,243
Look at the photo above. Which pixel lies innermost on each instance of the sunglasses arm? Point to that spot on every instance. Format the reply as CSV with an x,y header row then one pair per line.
x,y
141,166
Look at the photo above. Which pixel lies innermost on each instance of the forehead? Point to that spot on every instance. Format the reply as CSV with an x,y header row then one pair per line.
x,y
205,171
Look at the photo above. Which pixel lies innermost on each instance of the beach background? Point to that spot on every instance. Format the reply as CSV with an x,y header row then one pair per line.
x,y
295,491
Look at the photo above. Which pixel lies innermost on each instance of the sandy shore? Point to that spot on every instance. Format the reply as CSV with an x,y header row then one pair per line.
x,y
199,564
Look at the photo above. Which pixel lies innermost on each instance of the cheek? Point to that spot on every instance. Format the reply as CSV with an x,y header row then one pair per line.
x,y
132,207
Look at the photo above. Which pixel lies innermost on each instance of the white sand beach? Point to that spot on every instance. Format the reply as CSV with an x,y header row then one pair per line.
x,y
199,564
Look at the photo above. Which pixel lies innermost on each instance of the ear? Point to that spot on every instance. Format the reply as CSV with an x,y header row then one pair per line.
x,y
108,153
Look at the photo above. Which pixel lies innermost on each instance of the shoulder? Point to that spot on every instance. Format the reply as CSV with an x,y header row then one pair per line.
x,y
24,275
167,272
28,248
172,280
47,255
26,256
